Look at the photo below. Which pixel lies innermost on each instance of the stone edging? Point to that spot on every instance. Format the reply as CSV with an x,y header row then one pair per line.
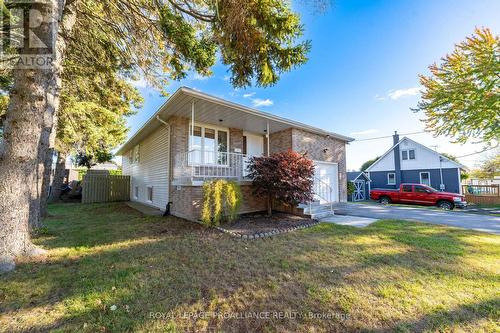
x,y
257,235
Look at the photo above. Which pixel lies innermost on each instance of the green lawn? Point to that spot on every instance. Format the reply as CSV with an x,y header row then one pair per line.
x,y
110,269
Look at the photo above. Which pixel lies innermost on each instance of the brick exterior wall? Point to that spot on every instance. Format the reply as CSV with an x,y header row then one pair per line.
x,y
187,201
235,140
179,143
323,148
318,148
280,141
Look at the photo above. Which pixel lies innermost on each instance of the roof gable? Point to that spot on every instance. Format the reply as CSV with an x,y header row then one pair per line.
x,y
427,149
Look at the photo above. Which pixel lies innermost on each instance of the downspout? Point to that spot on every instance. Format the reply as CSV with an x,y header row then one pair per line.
x,y
167,125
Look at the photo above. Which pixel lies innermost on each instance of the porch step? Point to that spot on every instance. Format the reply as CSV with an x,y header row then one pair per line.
x,y
317,211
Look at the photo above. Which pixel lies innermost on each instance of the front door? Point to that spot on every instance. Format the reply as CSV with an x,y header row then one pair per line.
x,y
253,145
326,180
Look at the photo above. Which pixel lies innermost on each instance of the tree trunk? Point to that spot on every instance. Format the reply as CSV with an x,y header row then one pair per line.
x,y
47,180
33,102
269,205
58,177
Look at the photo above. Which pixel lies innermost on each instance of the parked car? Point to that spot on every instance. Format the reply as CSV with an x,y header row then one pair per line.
x,y
420,195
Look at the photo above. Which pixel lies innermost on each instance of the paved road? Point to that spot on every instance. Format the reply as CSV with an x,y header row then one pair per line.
x,y
486,223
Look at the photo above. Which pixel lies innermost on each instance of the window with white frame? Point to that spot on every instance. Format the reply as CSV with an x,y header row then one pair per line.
x,y
408,154
391,178
136,192
150,193
208,145
425,178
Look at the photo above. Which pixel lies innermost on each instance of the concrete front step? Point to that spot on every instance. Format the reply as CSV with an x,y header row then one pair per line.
x,y
317,211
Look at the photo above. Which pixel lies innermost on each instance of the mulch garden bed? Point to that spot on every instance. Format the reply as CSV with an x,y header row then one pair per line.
x,y
252,226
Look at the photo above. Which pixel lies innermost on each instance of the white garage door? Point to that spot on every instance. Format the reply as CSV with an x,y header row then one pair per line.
x,y
326,182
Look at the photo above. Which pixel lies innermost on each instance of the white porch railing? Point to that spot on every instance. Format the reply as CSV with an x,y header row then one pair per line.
x,y
208,164
324,192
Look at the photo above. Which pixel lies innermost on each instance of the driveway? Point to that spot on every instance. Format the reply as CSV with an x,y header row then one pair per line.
x,y
486,223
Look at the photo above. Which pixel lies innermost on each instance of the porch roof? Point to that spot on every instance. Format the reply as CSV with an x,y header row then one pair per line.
x,y
217,111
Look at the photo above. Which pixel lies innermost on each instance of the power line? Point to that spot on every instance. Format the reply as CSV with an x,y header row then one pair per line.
x,y
478,152
387,136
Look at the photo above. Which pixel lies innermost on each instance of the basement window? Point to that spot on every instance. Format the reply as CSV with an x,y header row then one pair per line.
x,y
150,193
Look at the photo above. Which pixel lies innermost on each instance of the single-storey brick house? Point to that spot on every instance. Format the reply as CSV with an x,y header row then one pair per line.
x,y
194,137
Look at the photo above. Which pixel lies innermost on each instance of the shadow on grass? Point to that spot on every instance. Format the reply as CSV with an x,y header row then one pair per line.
x,y
105,255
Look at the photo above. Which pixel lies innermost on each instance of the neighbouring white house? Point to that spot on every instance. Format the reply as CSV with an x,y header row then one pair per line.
x,y
194,137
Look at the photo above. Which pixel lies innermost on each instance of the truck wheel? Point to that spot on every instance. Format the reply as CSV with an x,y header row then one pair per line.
x,y
445,205
385,200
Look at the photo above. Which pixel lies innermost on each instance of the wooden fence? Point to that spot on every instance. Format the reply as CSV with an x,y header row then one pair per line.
x,y
482,194
105,188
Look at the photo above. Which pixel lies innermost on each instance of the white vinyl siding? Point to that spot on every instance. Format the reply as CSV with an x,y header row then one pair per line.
x,y
384,164
413,156
151,169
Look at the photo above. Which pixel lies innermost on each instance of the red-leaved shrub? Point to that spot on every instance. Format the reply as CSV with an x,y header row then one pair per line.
x,y
286,177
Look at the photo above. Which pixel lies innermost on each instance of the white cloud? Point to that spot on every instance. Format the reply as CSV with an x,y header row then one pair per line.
x,y
141,83
380,98
226,77
198,77
248,95
366,132
262,102
397,94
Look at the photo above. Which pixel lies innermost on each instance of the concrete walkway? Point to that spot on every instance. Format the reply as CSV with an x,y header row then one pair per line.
x,y
146,210
455,218
352,221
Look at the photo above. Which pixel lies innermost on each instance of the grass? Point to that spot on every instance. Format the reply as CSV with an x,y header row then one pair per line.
x,y
110,269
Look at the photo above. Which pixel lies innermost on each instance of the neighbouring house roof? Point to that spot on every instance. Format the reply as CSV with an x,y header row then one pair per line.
x,y
460,166
211,109
353,175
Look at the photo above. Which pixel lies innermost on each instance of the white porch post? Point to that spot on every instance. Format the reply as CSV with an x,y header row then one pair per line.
x,y
191,133
268,137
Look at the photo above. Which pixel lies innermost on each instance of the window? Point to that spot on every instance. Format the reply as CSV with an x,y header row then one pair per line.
x,y
135,158
408,154
136,192
425,178
150,193
391,178
208,146
406,188
420,189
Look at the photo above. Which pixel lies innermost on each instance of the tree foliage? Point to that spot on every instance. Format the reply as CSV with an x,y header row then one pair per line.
x,y
489,168
286,177
461,97
368,163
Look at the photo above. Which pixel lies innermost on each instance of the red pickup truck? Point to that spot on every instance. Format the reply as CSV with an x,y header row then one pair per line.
x,y
420,195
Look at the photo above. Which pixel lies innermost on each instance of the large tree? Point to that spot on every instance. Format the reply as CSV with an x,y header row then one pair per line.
x,y
368,163
162,40
461,97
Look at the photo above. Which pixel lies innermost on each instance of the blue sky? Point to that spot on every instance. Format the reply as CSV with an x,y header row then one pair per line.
x,y
362,75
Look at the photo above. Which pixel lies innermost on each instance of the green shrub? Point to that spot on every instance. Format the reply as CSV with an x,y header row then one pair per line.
x,y
350,188
221,201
